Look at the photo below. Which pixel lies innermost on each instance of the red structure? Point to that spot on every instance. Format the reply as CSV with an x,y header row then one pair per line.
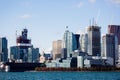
x,y
22,39
115,29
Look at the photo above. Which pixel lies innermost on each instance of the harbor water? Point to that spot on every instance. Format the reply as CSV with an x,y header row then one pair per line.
x,y
59,75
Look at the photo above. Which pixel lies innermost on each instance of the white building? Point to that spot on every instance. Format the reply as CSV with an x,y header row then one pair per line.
x,y
80,61
118,62
83,40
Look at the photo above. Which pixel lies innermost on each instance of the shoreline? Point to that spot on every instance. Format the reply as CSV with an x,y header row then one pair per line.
x,y
93,69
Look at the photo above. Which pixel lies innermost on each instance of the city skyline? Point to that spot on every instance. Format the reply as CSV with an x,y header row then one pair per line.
x,y
46,20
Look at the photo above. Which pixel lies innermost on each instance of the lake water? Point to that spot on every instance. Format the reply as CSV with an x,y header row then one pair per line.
x,y
60,76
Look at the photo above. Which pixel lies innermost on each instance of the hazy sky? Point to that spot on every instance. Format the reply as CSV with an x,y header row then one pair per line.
x,y
46,19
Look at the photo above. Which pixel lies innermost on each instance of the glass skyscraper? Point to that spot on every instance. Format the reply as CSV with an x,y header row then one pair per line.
x,y
83,42
33,54
69,42
115,29
14,53
24,51
110,46
94,40
3,49
77,36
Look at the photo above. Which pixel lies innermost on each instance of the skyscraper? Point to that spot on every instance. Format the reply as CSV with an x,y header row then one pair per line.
x,y
110,46
24,50
115,29
23,43
3,49
83,42
77,36
94,40
57,48
69,42
14,53
33,54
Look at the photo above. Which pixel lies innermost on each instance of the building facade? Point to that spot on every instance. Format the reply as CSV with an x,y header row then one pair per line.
x,y
83,42
14,53
118,62
77,36
33,55
3,49
64,53
110,46
115,29
57,48
24,51
69,42
94,40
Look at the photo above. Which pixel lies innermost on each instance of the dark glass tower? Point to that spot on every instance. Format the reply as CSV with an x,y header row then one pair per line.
x,y
110,47
77,36
3,49
94,40
115,29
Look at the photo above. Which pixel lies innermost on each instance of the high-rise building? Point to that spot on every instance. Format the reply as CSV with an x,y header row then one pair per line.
x,y
24,50
3,49
33,54
115,29
77,36
83,42
69,42
110,46
14,55
94,40
23,44
57,48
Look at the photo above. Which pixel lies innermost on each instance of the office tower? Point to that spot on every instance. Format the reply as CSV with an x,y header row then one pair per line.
x,y
83,42
69,42
3,49
14,53
110,46
77,36
94,40
115,29
24,51
23,44
33,54
57,47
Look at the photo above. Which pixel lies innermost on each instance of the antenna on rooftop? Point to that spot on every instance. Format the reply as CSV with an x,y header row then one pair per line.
x,y
93,21
90,22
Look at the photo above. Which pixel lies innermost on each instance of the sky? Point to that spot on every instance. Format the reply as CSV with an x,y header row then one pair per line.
x,y
46,20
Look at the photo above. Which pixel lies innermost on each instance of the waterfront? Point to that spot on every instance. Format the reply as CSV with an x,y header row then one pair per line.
x,y
60,76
